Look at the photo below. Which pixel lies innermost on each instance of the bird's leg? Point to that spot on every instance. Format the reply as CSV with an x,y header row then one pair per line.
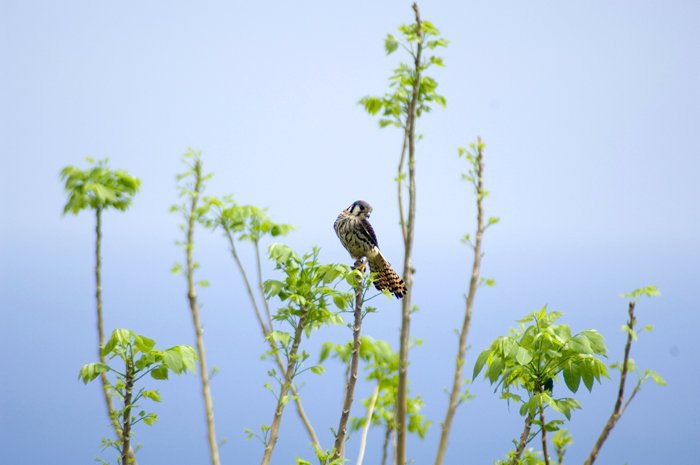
x,y
360,265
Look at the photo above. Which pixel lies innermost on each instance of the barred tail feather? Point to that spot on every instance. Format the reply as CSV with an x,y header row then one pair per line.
x,y
386,277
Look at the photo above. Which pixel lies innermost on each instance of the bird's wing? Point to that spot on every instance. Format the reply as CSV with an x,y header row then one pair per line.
x,y
369,232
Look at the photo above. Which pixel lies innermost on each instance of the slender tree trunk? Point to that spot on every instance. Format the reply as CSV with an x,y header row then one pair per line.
x,y
126,419
199,336
473,285
352,378
618,409
266,331
287,382
408,270
111,413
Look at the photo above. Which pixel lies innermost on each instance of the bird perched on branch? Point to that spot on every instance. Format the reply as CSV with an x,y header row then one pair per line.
x,y
357,236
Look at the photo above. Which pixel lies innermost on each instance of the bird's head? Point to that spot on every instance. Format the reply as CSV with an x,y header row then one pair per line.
x,y
360,209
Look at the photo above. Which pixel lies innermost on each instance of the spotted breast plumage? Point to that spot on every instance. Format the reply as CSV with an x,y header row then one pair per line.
x,y
358,237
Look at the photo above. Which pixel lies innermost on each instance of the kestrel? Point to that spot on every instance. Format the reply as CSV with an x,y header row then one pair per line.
x,y
357,236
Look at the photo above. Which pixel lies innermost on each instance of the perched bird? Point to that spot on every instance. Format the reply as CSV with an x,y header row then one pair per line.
x,y
357,236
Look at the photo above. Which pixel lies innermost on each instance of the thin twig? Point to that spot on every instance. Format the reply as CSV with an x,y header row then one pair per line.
x,y
368,423
192,298
260,285
341,432
473,285
618,409
402,394
399,181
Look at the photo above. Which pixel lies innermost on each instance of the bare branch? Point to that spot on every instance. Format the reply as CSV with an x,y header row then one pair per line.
x,y
473,285
192,298
352,379
618,409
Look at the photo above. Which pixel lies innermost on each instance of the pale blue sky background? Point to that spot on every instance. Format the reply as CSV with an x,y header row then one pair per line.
x,y
590,113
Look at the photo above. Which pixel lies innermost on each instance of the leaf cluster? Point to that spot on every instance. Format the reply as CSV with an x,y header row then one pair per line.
x,y
242,222
393,106
140,354
308,290
533,356
191,184
98,187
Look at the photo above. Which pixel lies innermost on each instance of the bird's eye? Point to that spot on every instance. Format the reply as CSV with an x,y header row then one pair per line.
x,y
362,207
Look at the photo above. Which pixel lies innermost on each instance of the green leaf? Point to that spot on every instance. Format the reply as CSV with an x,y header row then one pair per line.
x,y
480,361
390,44
572,377
495,369
596,341
91,371
523,356
273,287
318,369
655,376
648,291
153,395
160,372
144,344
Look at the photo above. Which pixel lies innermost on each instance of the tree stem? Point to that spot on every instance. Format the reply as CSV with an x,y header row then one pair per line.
x,y
284,388
126,419
523,440
618,409
352,378
199,333
473,285
402,393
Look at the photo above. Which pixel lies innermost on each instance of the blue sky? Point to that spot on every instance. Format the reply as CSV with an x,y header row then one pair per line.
x,y
590,114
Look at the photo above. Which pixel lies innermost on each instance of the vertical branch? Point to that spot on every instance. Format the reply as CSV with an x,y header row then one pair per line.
x,y
286,383
368,423
192,298
126,419
385,447
543,433
100,324
618,409
399,182
260,285
473,284
408,252
523,440
352,378
111,413
266,331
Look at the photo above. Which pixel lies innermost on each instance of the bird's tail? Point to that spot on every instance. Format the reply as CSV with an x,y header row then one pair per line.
x,y
386,278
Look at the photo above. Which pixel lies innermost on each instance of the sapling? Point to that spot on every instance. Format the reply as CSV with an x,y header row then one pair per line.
x,y
99,188
137,357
